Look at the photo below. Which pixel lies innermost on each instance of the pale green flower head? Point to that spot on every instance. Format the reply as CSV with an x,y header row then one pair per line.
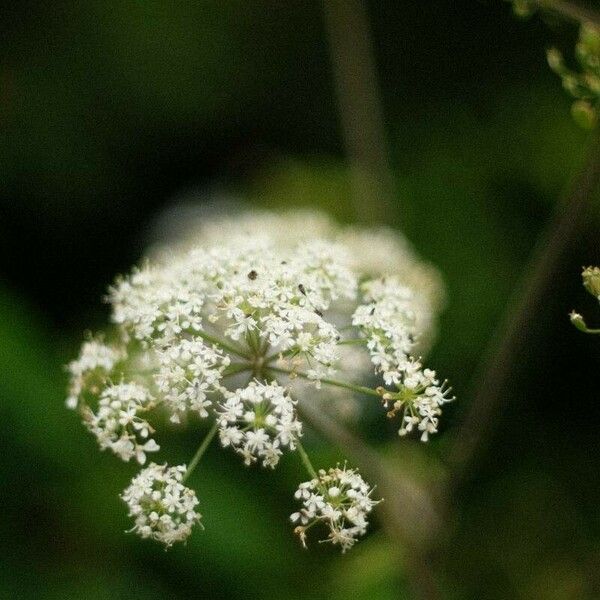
x,y
583,84
591,280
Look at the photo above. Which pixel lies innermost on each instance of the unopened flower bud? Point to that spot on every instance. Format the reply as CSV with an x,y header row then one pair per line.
x,y
591,280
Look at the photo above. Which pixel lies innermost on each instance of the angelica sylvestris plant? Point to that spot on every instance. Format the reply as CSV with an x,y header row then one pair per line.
x,y
591,282
239,324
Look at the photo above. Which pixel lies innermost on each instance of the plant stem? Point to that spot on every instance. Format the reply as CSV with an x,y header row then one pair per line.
x,y
225,345
306,460
349,386
201,450
235,368
503,355
360,108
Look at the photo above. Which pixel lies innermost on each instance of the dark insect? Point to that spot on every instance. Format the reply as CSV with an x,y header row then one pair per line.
x,y
318,312
302,290
252,275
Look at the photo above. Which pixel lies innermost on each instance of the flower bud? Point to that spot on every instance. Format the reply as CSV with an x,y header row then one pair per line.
x,y
591,280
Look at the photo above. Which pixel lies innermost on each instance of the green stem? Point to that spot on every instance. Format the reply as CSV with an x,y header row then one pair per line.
x,y
306,460
219,342
349,386
295,350
276,355
235,368
201,450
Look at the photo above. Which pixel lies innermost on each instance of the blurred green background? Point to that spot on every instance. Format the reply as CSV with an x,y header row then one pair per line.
x,y
111,111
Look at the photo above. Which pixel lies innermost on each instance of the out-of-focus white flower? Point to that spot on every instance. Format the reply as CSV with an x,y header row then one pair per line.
x,y
388,318
89,371
258,422
117,424
162,507
338,498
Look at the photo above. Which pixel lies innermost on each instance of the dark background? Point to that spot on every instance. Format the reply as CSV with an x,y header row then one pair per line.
x,y
110,112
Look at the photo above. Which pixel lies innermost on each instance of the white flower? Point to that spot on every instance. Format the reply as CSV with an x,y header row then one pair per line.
x,y
117,424
388,320
338,498
258,422
89,371
241,320
419,399
162,507
189,371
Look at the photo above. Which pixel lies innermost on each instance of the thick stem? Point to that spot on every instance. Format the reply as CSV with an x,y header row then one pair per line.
x,y
360,108
503,355
352,342
201,450
235,368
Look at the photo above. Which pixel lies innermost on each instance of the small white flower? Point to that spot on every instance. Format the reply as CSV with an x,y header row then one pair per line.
x,y
90,370
419,399
338,498
258,421
189,371
162,507
117,423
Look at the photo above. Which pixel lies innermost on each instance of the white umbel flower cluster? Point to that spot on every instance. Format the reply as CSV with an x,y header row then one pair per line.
x,y
162,507
389,319
419,399
338,498
258,421
89,371
242,321
118,425
189,371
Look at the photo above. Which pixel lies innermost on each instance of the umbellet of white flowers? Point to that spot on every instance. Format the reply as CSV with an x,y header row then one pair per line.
x,y
258,421
162,507
338,498
239,324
